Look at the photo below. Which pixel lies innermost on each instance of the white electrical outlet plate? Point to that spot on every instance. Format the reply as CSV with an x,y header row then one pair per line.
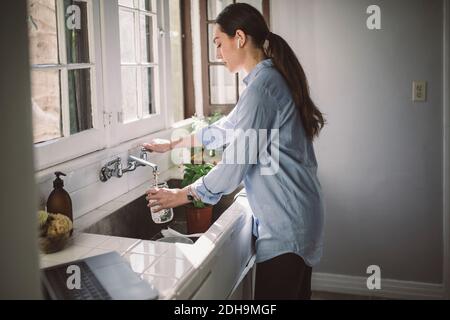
x,y
419,91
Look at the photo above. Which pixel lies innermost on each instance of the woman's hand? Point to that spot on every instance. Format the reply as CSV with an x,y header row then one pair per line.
x,y
162,198
158,145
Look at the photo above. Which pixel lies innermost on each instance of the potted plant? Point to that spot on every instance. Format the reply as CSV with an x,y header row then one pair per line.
x,y
198,214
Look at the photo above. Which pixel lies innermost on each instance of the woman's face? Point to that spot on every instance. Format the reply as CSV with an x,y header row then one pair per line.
x,y
227,51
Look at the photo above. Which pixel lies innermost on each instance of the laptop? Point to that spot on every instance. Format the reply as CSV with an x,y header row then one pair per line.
x,y
103,277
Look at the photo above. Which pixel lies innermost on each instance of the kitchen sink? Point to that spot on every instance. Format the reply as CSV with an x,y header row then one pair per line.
x,y
133,220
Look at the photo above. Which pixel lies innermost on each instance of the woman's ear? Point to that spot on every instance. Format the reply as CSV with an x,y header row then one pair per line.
x,y
241,38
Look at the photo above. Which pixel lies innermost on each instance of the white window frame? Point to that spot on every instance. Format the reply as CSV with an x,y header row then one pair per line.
x,y
68,147
106,89
121,132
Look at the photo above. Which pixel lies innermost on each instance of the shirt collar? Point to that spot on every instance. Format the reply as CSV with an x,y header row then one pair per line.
x,y
263,64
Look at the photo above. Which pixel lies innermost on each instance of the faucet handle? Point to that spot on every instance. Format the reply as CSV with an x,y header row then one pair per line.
x,y
143,155
107,172
114,162
119,169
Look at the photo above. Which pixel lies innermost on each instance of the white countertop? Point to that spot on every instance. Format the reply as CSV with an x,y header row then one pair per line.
x,y
169,267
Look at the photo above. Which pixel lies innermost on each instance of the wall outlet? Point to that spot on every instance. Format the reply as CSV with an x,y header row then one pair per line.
x,y
419,91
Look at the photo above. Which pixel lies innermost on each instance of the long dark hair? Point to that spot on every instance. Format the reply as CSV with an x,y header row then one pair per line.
x,y
242,16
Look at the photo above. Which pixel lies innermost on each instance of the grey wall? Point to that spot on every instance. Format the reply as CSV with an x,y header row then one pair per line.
x,y
19,268
380,156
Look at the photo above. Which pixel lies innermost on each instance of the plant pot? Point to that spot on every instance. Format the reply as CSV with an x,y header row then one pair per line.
x,y
198,219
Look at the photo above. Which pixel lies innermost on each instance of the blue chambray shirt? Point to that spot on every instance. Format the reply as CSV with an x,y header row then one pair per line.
x,y
288,206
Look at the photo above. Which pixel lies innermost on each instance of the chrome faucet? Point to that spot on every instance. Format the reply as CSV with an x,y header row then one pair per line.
x,y
114,167
134,162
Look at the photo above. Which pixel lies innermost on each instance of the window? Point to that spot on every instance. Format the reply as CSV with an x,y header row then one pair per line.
x,y
63,78
102,73
61,75
221,89
140,92
139,58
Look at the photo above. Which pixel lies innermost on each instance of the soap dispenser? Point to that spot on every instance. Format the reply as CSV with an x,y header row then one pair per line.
x,y
59,200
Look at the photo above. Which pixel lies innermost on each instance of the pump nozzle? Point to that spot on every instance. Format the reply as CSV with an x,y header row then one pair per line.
x,y
58,182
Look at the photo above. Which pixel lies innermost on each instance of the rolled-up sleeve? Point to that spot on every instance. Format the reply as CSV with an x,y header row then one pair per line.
x,y
255,110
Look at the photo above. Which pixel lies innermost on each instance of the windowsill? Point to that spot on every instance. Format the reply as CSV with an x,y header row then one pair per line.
x,y
182,124
110,152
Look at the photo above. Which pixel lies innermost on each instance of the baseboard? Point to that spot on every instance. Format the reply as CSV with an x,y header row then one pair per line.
x,y
390,289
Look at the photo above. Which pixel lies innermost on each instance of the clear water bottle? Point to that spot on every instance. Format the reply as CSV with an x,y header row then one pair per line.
x,y
161,216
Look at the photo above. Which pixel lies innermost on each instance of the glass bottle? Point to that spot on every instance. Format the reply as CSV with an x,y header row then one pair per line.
x,y
161,216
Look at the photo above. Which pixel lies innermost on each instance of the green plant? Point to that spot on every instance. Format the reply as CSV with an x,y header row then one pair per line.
x,y
216,116
193,172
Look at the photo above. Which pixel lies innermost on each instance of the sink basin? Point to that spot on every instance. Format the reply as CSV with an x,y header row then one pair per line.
x,y
134,220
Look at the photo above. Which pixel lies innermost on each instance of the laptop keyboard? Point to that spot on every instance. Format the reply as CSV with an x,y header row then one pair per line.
x,y
91,288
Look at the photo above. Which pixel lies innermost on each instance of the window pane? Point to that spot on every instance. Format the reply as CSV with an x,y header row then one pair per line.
x,y
80,107
255,3
126,3
216,6
147,38
148,5
127,36
129,94
148,91
77,41
42,32
222,85
138,31
46,105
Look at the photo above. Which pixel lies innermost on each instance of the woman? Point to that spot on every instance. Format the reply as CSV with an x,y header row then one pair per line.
x,y
287,205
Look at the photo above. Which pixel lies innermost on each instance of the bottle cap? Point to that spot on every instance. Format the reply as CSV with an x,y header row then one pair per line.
x,y
58,182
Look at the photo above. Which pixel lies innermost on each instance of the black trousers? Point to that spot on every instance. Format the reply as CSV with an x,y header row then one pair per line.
x,y
286,277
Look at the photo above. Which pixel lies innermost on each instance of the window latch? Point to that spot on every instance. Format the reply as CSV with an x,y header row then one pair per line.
x,y
162,33
107,117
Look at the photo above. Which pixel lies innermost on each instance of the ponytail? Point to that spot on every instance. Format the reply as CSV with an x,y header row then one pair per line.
x,y
288,65
242,16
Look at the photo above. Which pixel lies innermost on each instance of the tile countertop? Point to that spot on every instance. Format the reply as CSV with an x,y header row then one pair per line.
x,y
169,267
